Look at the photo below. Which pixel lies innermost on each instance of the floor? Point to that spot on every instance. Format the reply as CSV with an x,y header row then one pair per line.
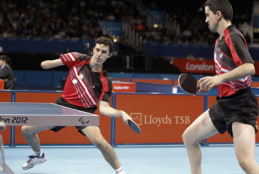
x,y
134,159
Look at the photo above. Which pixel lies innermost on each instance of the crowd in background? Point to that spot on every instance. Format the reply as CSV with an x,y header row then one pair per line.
x,y
191,19
80,19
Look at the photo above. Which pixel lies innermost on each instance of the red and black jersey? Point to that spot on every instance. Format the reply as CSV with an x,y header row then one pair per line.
x,y
83,87
230,52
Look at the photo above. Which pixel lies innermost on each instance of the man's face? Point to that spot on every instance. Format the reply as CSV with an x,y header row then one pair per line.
x,y
211,19
100,53
2,62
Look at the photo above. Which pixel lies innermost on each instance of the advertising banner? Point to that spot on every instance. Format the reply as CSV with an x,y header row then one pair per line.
x,y
161,118
195,66
156,81
6,97
2,82
256,68
118,86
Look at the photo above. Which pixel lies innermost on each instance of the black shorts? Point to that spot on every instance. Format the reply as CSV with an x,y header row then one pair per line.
x,y
240,107
61,101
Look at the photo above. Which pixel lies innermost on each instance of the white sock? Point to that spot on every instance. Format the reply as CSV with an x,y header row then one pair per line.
x,y
120,171
39,154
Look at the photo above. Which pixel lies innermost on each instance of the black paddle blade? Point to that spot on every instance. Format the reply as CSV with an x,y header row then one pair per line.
x,y
187,83
134,126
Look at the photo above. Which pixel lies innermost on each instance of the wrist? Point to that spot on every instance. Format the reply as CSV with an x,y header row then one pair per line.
x,y
120,113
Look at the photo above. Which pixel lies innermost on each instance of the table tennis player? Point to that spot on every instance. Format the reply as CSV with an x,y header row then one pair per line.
x,y
87,84
236,109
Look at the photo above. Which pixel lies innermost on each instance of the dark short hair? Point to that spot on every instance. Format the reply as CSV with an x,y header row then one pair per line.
x,y
106,41
221,5
3,57
6,59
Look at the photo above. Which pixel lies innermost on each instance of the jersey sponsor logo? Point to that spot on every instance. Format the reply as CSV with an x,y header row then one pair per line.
x,y
81,76
221,55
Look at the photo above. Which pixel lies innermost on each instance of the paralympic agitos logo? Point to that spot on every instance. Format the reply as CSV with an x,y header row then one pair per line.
x,y
81,120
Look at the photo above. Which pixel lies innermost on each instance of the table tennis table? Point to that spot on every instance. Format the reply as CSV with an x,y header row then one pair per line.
x,y
42,114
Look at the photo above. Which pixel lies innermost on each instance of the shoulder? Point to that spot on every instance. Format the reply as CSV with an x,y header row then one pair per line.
x,y
86,57
7,67
235,36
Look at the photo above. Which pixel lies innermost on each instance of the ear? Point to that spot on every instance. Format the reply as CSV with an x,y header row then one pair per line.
x,y
219,14
110,54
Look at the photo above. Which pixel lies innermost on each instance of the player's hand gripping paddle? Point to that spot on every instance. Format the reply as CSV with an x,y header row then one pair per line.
x,y
187,83
134,126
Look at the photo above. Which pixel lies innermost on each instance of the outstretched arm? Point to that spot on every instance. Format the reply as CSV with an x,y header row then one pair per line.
x,y
108,111
47,64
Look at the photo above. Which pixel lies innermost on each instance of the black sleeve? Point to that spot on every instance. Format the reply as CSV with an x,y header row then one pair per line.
x,y
241,48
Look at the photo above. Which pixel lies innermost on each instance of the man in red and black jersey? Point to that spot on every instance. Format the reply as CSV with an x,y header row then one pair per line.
x,y
236,110
87,84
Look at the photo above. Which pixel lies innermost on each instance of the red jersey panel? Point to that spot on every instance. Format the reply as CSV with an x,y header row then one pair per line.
x,y
83,87
230,52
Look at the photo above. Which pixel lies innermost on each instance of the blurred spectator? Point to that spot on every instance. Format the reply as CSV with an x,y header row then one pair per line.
x,y
111,17
67,50
187,34
200,57
80,20
190,56
6,72
1,49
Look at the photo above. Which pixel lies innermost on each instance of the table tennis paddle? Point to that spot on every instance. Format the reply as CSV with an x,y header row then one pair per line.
x,y
134,126
187,83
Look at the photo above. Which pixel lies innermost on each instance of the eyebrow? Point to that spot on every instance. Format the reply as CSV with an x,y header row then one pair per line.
x,y
101,50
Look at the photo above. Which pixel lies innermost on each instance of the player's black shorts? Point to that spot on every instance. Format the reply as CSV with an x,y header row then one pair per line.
x,y
240,107
61,101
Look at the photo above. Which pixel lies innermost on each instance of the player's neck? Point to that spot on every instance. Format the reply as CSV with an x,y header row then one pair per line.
x,y
96,67
223,24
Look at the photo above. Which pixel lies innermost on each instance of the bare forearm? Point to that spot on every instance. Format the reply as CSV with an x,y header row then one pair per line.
x,y
47,64
110,112
238,73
